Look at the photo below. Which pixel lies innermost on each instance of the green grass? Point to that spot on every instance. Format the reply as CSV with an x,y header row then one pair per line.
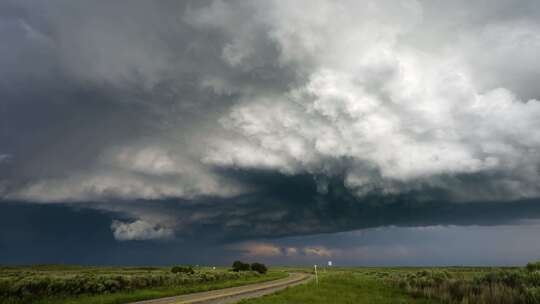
x,y
443,285
395,285
341,287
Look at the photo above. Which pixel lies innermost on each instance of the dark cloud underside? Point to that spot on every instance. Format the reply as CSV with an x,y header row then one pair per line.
x,y
220,123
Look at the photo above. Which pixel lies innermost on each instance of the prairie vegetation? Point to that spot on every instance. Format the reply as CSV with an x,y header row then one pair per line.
x,y
74,284
183,269
448,285
443,285
498,286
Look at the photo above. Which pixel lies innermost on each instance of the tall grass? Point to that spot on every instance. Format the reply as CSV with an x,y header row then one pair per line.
x,y
496,287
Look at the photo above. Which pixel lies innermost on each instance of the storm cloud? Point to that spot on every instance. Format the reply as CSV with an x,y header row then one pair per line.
x,y
239,121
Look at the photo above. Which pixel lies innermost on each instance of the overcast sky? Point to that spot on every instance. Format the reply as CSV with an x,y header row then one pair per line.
x,y
379,132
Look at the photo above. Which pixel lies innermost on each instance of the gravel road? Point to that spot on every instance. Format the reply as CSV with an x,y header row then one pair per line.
x,y
234,294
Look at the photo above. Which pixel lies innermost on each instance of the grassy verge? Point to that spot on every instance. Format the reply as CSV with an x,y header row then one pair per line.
x,y
341,287
153,293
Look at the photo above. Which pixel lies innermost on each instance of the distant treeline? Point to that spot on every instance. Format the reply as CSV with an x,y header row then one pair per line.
x,y
241,266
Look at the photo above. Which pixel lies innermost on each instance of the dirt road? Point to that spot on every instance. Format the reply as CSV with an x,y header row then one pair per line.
x,y
231,295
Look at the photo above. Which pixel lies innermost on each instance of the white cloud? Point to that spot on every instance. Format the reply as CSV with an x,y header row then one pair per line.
x,y
257,249
151,160
392,94
403,116
319,251
140,230
133,172
291,251
97,187
262,249
503,54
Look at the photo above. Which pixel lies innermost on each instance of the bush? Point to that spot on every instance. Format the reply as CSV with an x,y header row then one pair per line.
x,y
29,287
183,269
533,266
498,286
258,267
240,266
533,295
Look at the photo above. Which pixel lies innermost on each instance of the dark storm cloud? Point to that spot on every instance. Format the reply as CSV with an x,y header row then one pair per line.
x,y
92,92
42,234
292,206
277,221
31,234
230,120
403,246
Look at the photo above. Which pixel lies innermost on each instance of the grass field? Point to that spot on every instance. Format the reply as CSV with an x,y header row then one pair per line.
x,y
107,285
459,285
351,286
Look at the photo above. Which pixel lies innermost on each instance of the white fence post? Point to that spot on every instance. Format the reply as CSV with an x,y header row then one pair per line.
x,y
316,276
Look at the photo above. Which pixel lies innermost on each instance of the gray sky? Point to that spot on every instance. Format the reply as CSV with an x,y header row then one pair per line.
x,y
275,130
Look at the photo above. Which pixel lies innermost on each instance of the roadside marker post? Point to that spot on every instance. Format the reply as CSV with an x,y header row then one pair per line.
x,y
316,276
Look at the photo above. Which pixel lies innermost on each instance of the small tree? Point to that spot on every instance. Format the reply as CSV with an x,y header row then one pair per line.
x,y
240,266
258,267
533,266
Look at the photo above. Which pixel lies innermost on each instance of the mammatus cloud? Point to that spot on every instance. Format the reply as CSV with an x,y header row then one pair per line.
x,y
139,231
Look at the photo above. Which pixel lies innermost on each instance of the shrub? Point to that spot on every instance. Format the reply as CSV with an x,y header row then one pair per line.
x,y
240,266
258,267
28,287
533,295
498,286
183,269
533,266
